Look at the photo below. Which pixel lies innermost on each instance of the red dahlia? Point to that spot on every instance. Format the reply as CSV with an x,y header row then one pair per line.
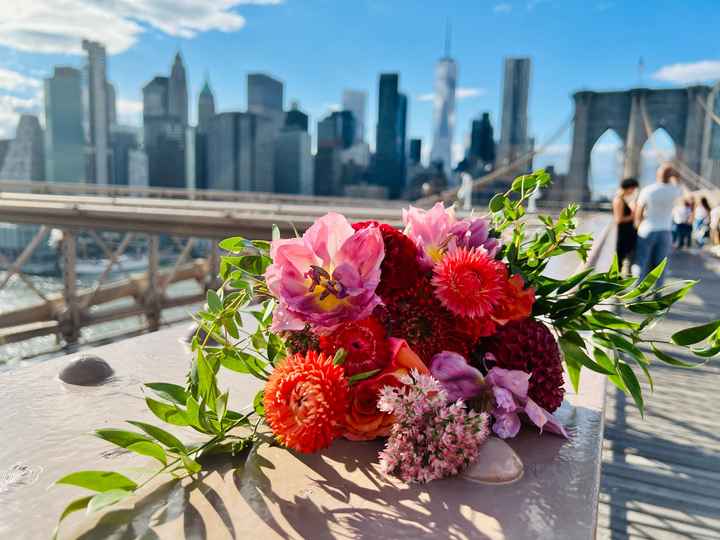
x,y
365,343
399,269
418,317
529,346
469,282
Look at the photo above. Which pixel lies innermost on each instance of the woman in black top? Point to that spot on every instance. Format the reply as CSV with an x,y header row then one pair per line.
x,y
624,215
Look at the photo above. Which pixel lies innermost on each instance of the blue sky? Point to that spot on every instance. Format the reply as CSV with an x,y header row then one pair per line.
x,y
320,47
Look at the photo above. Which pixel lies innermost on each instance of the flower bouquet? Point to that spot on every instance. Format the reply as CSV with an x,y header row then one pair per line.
x,y
434,337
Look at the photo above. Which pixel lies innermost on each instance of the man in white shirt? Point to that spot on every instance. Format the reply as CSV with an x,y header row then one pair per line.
x,y
654,220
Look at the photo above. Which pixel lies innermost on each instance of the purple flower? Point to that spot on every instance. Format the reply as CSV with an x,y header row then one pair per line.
x,y
510,388
327,277
459,379
474,233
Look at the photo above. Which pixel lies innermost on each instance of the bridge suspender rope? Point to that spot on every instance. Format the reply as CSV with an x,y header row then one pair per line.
x,y
452,194
714,117
682,167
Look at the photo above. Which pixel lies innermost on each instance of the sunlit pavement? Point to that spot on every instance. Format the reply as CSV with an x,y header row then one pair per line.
x,y
661,474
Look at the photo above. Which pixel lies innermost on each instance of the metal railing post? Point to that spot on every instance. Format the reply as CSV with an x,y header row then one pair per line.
x,y
152,300
69,318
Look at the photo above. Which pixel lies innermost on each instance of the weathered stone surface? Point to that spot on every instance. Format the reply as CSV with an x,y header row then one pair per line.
x,y
496,464
86,371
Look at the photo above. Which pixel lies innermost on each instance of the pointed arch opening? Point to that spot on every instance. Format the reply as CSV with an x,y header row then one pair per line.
x,y
606,165
658,149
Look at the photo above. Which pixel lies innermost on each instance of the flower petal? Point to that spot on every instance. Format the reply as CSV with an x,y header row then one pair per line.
x,y
327,235
506,425
514,380
543,419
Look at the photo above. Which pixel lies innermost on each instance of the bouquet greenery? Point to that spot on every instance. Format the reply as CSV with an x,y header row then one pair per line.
x,y
434,336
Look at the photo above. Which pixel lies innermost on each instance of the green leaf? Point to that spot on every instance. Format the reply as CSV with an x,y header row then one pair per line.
x,y
221,405
647,283
150,449
708,352
497,202
573,370
632,384
120,437
190,464
340,356
168,439
664,357
362,376
572,281
98,480
73,506
107,498
258,403
167,413
695,334
580,356
168,391
213,300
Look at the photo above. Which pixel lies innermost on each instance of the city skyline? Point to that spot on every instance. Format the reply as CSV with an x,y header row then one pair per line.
x,y
251,44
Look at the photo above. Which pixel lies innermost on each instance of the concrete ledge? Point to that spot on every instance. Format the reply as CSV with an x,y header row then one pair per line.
x,y
338,493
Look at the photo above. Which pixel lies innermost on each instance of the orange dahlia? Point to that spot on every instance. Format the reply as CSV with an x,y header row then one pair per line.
x,y
306,399
469,282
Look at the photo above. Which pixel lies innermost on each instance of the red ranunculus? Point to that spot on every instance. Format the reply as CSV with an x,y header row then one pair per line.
x,y
363,341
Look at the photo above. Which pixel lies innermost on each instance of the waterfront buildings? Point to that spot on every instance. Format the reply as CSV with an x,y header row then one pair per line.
x,y
64,136
241,152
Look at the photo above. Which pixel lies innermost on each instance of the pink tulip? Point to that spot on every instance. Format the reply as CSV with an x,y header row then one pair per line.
x,y
327,277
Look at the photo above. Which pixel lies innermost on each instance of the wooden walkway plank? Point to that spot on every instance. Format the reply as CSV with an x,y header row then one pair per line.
x,y
661,475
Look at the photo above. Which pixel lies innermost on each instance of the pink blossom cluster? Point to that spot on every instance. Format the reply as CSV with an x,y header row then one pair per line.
x,y
431,438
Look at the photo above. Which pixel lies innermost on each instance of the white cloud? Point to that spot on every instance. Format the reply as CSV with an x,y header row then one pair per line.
x,y
503,7
692,72
10,109
57,26
463,93
129,111
13,81
460,93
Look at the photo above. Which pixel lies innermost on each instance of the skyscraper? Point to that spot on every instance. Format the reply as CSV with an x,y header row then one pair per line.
x,y
444,109
98,112
482,142
177,92
123,140
265,97
335,133
390,140
355,102
111,104
293,162
64,135
241,152
206,110
295,119
24,159
165,124
415,155
514,141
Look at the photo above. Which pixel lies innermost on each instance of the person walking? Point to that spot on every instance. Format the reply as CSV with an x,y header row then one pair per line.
x,y
623,212
653,217
701,226
682,224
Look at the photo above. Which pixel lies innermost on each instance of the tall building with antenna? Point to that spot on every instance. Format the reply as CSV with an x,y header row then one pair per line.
x,y
444,109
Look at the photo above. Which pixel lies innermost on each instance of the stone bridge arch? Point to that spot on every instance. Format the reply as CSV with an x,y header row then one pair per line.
x,y
675,110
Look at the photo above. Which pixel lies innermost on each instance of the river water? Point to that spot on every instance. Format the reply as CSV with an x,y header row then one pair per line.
x,y
16,294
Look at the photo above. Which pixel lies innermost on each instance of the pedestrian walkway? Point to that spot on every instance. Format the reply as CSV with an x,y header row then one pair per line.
x,y
661,474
